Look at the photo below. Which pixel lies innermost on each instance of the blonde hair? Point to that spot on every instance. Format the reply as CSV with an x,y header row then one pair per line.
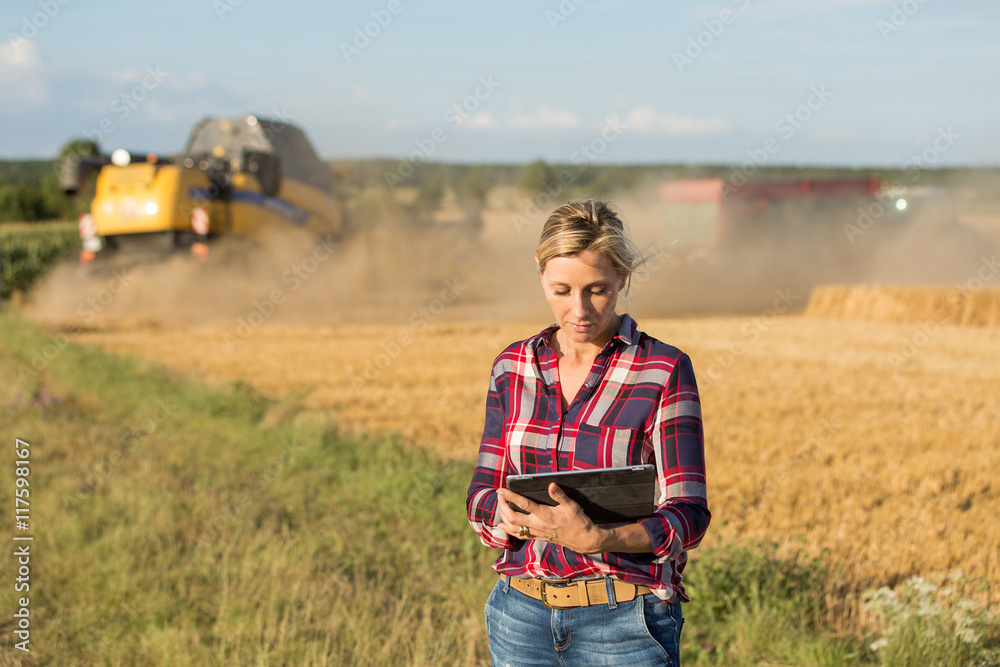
x,y
589,224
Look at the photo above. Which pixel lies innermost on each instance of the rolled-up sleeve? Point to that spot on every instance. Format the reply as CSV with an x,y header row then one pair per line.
x,y
491,467
682,515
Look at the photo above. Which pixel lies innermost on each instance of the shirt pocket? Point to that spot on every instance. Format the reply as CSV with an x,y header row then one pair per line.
x,y
608,447
529,447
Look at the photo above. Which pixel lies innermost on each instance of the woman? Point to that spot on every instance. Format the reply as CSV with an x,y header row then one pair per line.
x,y
590,391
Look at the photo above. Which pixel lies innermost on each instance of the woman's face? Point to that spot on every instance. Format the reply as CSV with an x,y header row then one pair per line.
x,y
582,291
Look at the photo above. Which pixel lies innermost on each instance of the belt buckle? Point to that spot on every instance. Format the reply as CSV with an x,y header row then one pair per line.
x,y
546,582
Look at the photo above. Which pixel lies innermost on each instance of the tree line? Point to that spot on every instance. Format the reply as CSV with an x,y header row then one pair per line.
x,y
29,189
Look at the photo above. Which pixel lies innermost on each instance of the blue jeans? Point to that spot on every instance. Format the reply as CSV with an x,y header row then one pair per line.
x,y
523,632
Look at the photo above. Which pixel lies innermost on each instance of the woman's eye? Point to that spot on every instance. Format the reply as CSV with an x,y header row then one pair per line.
x,y
600,292
561,292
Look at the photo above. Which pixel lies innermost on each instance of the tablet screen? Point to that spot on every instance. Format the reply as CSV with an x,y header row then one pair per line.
x,y
607,495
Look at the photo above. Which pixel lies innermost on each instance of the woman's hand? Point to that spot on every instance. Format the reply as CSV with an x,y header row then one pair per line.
x,y
564,524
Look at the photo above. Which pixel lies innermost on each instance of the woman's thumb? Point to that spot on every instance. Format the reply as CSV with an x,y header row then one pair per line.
x,y
557,494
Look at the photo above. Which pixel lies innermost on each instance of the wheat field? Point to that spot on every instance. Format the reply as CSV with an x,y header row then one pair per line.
x,y
875,442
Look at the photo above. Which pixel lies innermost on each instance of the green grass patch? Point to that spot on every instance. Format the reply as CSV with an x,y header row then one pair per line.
x,y
27,250
172,528
751,606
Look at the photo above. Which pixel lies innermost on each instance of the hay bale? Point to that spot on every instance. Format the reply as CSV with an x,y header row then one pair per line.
x,y
962,305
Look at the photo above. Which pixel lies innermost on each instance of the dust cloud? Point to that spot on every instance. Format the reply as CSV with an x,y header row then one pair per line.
x,y
394,273
775,254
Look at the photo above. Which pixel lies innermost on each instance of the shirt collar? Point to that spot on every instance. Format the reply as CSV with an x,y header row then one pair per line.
x,y
628,332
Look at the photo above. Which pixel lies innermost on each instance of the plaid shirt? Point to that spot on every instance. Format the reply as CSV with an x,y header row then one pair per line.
x,y
638,405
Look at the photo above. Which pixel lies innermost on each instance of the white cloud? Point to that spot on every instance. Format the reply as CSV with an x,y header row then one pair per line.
x,y
644,119
480,120
20,53
22,76
546,118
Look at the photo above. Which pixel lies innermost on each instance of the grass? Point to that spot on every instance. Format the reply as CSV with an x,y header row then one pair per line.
x,y
172,528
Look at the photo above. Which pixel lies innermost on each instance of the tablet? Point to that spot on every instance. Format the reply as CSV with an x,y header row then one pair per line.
x,y
607,495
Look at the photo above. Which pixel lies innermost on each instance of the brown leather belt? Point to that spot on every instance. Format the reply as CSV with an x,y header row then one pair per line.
x,y
564,593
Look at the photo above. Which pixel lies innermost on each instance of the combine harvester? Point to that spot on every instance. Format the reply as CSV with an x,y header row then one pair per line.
x,y
243,176
706,216
834,228
736,246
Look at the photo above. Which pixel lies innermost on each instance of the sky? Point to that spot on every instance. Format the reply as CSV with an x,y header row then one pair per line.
x,y
851,83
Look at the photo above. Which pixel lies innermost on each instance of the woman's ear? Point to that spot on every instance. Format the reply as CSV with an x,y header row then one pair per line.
x,y
538,266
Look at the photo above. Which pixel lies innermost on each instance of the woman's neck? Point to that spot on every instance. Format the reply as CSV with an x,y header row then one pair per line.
x,y
583,352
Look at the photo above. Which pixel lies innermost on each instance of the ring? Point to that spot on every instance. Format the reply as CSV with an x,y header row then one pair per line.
x,y
523,532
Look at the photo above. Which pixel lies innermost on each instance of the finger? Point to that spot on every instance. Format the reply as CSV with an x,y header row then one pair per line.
x,y
508,514
557,494
508,519
566,503
512,498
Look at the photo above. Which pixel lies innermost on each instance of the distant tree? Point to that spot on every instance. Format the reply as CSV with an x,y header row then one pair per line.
x,y
81,147
430,192
475,185
72,207
536,176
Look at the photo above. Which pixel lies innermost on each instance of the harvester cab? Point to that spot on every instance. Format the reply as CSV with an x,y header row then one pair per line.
x,y
244,176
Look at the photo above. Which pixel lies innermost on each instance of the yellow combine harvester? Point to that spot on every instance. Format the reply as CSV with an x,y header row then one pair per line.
x,y
244,176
